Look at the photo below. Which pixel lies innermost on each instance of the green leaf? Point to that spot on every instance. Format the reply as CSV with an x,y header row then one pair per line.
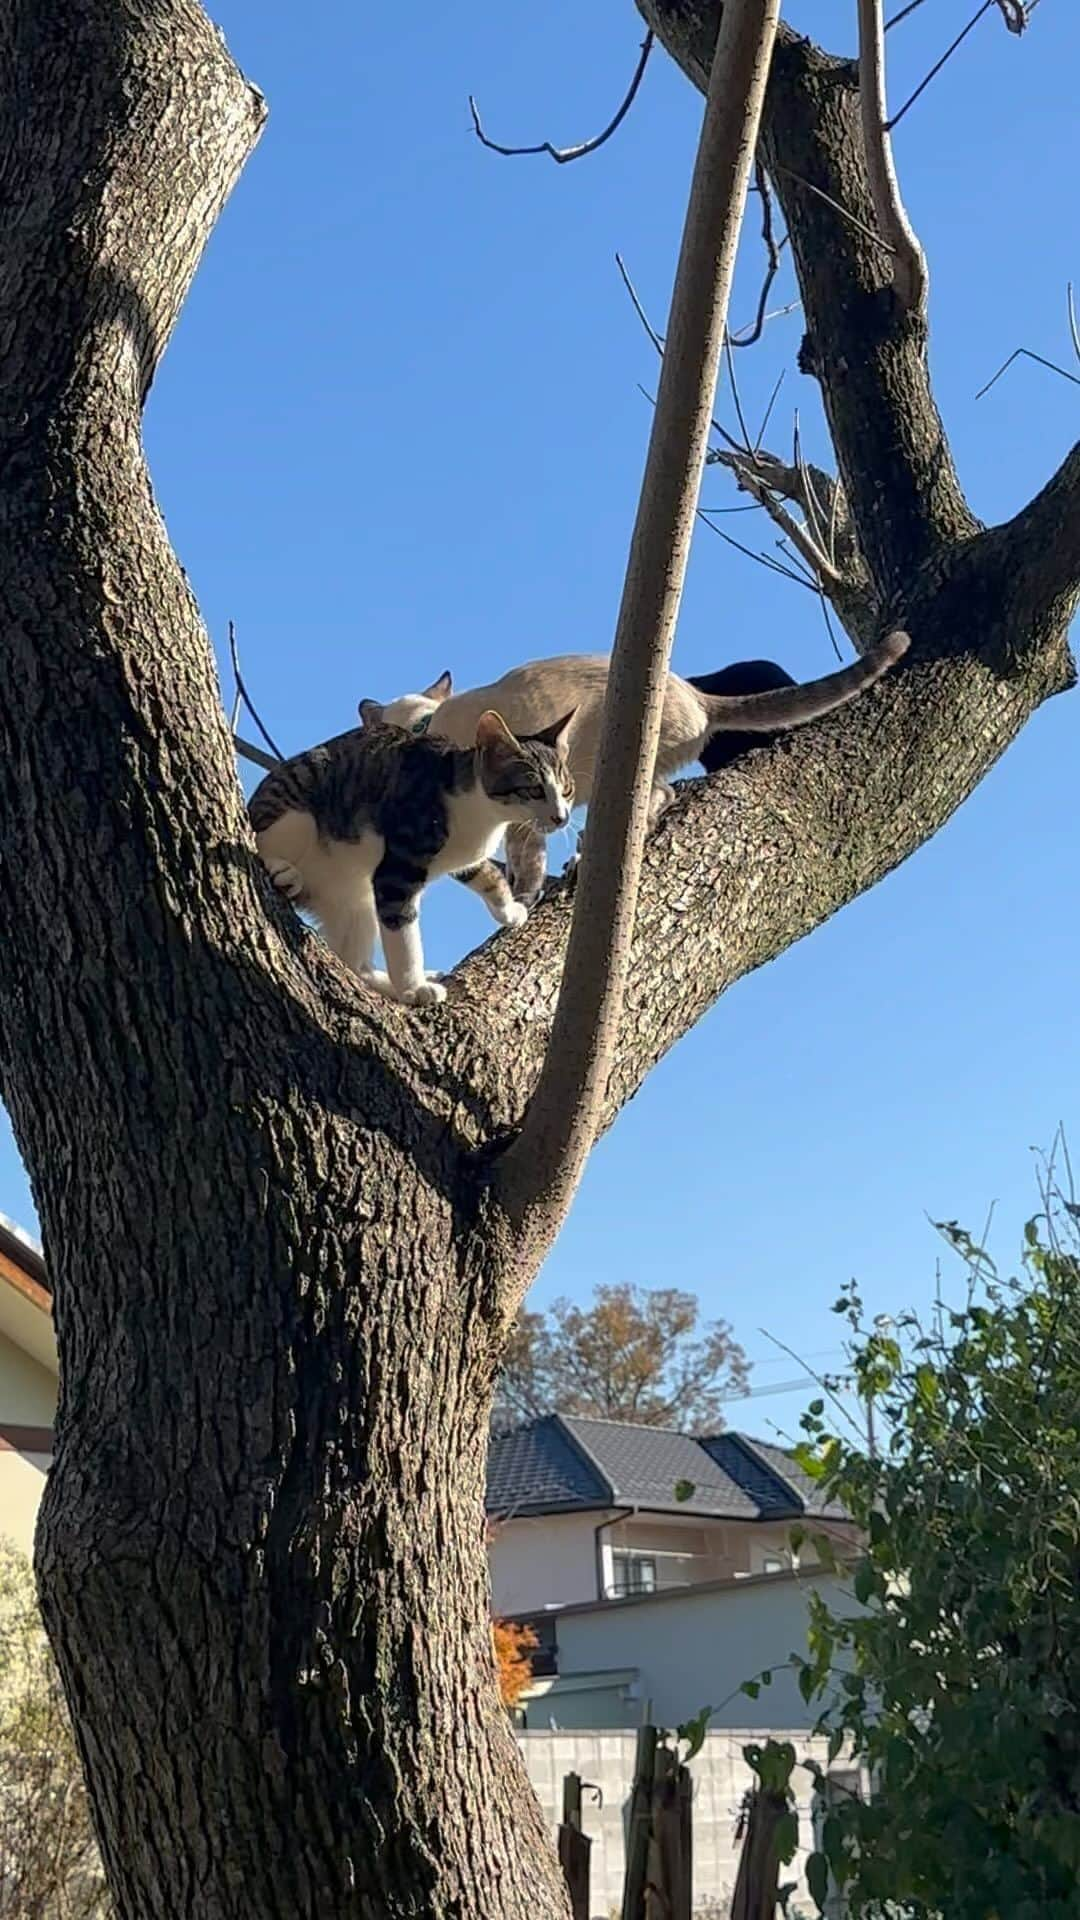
x,y
685,1489
817,1879
865,1582
816,1407
751,1688
926,1385
787,1837
694,1731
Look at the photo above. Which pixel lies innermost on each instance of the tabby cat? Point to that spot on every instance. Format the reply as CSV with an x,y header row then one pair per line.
x,y
353,830
693,717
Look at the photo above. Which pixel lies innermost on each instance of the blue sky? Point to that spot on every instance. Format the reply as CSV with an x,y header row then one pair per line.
x,y
399,430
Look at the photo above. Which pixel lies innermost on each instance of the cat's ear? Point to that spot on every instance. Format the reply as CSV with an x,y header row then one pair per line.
x,y
494,736
371,712
440,689
556,737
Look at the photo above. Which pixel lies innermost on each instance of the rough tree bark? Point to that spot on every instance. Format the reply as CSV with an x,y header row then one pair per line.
x,y
270,1205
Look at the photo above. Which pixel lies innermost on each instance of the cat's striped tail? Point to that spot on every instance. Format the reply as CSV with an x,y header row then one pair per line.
x,y
793,706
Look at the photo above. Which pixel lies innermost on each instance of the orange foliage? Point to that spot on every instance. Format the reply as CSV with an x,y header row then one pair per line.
x,y
513,1646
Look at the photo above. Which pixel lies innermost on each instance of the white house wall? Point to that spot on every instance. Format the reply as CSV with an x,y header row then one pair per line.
x,y
543,1562
695,1648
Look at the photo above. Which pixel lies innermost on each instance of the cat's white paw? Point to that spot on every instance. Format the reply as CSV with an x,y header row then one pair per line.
x,y
377,980
428,994
515,913
285,877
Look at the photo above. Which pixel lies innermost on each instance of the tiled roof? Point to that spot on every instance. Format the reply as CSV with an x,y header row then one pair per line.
x,y
559,1463
536,1468
769,1488
806,1492
644,1465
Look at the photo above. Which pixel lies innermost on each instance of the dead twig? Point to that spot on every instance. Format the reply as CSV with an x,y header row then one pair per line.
x,y
562,154
890,125
912,6
1073,329
852,219
763,559
773,397
909,260
1025,353
748,336
256,755
800,536
242,692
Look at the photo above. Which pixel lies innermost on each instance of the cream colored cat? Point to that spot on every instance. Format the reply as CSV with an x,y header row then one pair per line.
x,y
532,696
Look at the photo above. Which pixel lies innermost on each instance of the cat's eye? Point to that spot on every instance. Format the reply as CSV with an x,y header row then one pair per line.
x,y
421,726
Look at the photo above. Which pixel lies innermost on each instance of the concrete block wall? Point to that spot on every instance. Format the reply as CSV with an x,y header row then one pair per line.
x,y
721,1777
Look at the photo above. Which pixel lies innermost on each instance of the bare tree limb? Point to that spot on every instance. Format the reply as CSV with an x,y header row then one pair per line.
x,y
745,469
909,261
257,756
748,336
538,1175
563,154
244,695
1025,353
938,64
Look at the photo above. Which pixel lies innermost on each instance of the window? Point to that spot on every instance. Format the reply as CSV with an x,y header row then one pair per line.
x,y
632,1573
772,1563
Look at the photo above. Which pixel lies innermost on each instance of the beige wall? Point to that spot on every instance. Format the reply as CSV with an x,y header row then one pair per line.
x,y
27,1399
22,1481
27,1390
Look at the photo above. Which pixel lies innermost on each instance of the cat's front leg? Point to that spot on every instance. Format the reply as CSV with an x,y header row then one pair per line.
x,y
398,886
486,879
526,862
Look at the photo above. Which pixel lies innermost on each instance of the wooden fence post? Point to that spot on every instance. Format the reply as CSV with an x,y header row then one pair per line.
x,y
759,1863
637,1837
574,1848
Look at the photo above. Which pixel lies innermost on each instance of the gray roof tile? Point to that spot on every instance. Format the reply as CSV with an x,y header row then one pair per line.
x,y
536,1468
561,1463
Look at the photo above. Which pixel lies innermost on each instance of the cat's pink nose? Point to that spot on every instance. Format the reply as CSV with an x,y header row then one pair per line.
x,y
560,816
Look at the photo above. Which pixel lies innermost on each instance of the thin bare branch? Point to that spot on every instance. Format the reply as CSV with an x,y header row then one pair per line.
x,y
748,336
767,415
1073,329
258,758
1025,353
735,395
538,1174
845,213
656,338
912,7
801,539
890,125
234,655
763,559
562,154
909,261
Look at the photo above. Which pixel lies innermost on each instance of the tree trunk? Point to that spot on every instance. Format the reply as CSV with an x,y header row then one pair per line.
x,y
270,1202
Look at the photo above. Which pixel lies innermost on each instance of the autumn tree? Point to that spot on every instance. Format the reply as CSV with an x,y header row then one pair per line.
x,y
513,1647
636,1353
287,1224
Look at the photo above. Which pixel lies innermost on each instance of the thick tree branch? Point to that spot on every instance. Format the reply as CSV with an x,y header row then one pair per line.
x,y
539,1174
909,261
1043,539
865,349
758,856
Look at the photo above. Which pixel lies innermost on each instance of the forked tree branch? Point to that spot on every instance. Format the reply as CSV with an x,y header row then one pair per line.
x,y
909,261
539,1173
